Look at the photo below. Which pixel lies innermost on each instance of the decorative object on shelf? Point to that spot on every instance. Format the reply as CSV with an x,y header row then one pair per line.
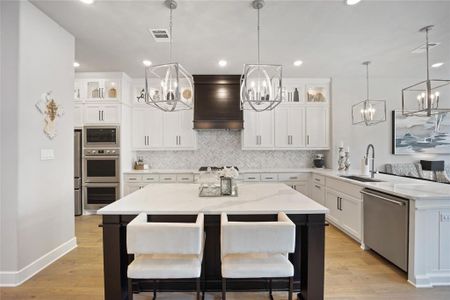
x,y
169,80
261,84
319,161
420,134
369,112
139,163
316,94
296,96
424,98
347,162
50,109
341,158
112,92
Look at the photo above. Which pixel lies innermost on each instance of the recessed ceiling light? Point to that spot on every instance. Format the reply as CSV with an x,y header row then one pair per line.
x,y
76,64
352,2
437,65
298,63
87,1
147,63
222,63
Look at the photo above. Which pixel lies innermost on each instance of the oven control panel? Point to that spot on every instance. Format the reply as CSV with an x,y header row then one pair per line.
x,y
101,152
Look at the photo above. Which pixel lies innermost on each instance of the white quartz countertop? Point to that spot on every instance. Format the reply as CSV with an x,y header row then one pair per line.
x,y
413,189
182,198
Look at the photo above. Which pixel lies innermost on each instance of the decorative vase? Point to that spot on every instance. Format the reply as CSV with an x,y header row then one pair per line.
x,y
296,96
341,160
347,160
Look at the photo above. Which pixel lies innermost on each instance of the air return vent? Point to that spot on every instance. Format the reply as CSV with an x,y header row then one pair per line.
x,y
160,35
423,48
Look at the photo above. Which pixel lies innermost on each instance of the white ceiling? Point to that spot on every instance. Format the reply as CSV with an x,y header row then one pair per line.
x,y
330,37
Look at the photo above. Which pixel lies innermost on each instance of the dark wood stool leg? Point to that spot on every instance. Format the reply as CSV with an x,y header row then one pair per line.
x,y
155,282
197,283
270,289
130,289
224,289
291,287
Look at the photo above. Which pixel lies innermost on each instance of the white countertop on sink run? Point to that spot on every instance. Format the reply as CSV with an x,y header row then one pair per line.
x,y
414,189
182,198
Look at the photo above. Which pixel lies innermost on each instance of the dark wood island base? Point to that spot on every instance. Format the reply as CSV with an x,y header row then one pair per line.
x,y
308,259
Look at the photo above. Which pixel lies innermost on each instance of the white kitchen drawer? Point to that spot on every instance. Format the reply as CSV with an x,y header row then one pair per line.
x,y
293,176
168,178
151,178
133,178
269,177
253,177
320,179
350,189
189,178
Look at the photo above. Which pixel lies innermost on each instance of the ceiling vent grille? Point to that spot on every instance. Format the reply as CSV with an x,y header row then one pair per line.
x,y
423,48
160,35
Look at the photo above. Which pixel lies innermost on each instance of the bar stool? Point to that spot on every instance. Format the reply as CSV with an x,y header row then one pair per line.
x,y
164,251
257,250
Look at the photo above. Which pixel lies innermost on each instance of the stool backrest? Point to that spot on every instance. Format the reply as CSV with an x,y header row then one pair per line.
x,y
164,238
257,237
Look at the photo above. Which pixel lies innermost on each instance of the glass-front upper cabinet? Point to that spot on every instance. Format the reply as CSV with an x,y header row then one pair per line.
x,y
102,89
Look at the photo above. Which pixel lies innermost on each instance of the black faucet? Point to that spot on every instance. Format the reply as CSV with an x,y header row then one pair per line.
x,y
372,170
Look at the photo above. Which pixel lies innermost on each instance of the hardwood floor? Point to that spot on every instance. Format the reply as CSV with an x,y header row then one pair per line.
x,y
351,274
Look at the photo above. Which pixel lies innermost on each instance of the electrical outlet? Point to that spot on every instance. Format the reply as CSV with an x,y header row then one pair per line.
x,y
445,217
47,154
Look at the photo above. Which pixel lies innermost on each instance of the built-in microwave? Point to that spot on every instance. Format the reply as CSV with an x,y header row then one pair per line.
x,y
98,195
101,136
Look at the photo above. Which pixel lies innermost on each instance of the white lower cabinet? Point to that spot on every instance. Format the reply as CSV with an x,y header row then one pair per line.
x,y
345,210
132,187
301,186
318,193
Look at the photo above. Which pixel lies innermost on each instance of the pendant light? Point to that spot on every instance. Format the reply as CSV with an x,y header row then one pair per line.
x,y
169,87
369,112
424,98
260,83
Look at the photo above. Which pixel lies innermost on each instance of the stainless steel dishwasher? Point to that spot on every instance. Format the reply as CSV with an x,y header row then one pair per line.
x,y
386,226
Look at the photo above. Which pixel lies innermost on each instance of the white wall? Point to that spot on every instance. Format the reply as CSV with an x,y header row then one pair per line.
x,y
348,91
38,195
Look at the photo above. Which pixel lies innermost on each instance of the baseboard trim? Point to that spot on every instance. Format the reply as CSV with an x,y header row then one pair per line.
x,y
16,278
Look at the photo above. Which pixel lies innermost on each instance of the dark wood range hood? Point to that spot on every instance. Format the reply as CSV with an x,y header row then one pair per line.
x,y
217,102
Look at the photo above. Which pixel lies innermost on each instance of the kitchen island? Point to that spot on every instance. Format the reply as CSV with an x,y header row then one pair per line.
x,y
181,203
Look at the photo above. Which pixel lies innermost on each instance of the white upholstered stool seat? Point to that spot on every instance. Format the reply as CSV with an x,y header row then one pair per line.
x,y
256,265
257,250
165,266
164,251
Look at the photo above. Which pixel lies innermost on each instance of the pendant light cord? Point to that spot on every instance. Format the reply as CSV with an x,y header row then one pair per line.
x,y
258,29
170,33
367,79
428,58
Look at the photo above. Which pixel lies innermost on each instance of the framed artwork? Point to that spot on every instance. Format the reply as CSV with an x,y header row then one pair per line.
x,y
420,135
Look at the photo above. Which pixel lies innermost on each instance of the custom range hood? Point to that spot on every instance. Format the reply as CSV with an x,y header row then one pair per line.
x,y
217,102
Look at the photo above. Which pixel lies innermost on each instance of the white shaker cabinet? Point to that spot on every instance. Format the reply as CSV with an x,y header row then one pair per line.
x,y
258,130
147,128
102,113
289,127
317,127
78,115
178,130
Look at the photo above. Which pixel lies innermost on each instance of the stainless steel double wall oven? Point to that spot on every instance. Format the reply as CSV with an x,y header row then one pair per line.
x,y
101,166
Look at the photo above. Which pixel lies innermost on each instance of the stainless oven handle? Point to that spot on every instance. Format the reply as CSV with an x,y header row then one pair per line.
x,y
400,203
101,157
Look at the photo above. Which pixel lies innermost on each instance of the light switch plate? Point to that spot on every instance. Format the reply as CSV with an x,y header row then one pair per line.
x,y
445,217
47,154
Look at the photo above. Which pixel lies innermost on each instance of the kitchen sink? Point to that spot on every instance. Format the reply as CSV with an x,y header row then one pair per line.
x,y
360,178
